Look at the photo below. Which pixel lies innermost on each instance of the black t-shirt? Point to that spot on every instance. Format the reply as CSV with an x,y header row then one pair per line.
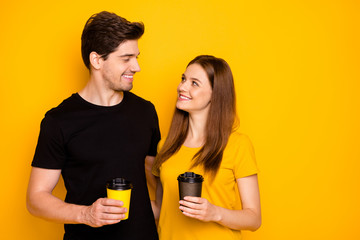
x,y
92,144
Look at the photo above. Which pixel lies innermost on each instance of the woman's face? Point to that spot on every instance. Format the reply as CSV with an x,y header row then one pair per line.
x,y
194,90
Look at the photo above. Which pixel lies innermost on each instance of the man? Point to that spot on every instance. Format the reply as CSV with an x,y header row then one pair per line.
x,y
99,133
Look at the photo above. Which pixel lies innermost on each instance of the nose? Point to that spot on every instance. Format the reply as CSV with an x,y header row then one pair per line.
x,y
184,86
135,67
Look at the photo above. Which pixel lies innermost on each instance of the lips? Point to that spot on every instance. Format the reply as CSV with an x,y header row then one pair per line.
x,y
182,97
128,77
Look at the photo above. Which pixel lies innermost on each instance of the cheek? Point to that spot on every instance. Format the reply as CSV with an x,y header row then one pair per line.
x,y
121,70
207,96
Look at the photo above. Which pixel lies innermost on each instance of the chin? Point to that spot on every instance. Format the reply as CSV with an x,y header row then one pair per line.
x,y
124,89
127,89
178,106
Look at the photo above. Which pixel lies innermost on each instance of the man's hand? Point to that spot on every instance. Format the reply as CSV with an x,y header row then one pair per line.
x,y
103,211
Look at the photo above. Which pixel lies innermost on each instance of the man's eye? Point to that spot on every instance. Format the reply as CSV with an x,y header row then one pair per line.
x,y
126,59
195,83
182,78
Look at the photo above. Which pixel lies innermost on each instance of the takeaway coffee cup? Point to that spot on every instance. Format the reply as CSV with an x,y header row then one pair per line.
x,y
120,189
190,184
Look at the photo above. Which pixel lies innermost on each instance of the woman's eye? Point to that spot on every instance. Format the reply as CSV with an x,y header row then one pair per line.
x,y
195,83
126,59
183,79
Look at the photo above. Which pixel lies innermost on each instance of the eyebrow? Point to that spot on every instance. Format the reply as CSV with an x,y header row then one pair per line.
x,y
129,55
196,79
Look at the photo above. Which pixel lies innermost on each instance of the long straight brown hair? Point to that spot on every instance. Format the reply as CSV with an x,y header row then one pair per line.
x,y
220,120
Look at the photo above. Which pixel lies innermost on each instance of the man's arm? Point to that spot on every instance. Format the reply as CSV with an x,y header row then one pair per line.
x,y
41,203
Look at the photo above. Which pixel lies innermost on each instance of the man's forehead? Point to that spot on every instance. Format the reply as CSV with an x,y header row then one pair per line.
x,y
128,48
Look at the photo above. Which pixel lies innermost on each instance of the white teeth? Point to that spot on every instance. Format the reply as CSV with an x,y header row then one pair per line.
x,y
183,97
128,76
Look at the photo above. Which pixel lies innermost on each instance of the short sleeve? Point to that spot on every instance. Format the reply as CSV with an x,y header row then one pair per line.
x,y
245,162
50,152
155,133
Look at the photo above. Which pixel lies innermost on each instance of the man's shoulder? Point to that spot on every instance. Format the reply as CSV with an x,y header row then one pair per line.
x,y
135,99
65,106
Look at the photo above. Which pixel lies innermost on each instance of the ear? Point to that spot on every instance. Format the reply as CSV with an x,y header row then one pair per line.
x,y
95,60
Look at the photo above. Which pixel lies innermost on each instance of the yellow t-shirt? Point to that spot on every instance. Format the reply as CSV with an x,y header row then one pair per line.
x,y
238,161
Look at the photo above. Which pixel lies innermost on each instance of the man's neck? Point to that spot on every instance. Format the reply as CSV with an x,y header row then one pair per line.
x,y
99,96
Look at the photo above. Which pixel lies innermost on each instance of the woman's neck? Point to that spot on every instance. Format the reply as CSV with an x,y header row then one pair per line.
x,y
196,135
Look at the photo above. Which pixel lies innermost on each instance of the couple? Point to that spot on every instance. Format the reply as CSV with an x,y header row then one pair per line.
x,y
105,131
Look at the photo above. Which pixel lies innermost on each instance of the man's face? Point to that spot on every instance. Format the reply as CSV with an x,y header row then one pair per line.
x,y
119,68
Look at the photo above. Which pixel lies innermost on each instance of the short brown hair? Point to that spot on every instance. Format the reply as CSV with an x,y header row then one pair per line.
x,y
104,32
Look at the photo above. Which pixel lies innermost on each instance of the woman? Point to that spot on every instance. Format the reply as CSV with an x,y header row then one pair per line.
x,y
202,139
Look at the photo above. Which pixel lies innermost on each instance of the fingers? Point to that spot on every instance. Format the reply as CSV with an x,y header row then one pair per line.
x,y
110,202
104,212
191,215
198,208
186,209
110,207
113,210
191,202
192,210
192,206
194,199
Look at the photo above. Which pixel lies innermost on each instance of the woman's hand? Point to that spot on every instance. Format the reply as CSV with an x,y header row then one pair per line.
x,y
248,218
199,208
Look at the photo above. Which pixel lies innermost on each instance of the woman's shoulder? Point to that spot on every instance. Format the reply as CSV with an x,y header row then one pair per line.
x,y
238,137
161,143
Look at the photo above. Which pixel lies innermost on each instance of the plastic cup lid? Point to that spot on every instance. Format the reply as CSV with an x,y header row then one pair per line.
x,y
190,177
119,184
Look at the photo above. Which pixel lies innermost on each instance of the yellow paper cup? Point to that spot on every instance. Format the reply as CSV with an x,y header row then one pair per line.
x,y
120,189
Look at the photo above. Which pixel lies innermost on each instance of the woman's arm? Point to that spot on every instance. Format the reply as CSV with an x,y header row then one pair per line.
x,y
150,178
156,205
154,186
249,218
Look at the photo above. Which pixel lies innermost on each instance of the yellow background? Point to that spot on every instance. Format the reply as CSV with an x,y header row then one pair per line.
x,y
296,67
